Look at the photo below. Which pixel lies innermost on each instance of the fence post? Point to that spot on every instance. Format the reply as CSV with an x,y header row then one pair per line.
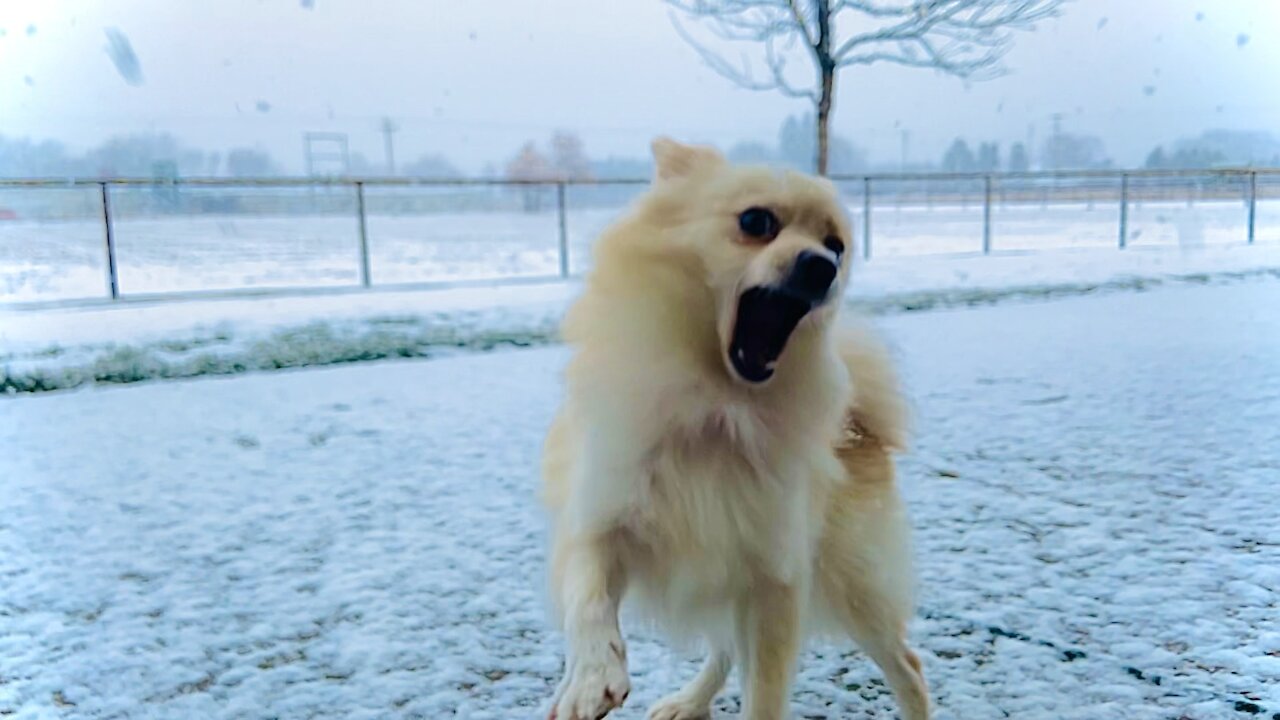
x,y
1124,209
564,230
986,215
364,235
113,281
866,218
1253,202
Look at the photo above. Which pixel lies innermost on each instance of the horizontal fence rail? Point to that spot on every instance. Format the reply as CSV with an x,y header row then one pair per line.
x,y
424,181
358,198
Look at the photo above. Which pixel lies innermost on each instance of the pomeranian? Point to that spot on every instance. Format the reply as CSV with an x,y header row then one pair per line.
x,y
722,459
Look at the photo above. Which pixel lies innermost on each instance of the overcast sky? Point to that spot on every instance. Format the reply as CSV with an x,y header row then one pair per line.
x,y
472,80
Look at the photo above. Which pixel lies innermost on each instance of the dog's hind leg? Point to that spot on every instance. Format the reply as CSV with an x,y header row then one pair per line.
x,y
876,619
693,702
887,646
590,584
864,575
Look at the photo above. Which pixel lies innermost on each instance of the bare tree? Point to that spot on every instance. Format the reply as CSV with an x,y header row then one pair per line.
x,y
569,157
964,38
530,164
1019,161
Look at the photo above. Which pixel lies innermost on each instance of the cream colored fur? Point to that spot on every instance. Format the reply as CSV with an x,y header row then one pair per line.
x,y
749,516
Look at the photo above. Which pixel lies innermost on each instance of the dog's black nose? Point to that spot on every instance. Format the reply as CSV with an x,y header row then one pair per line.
x,y
811,276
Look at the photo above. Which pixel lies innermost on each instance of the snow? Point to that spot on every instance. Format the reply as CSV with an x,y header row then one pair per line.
x,y
62,256
1093,488
54,334
57,347
122,56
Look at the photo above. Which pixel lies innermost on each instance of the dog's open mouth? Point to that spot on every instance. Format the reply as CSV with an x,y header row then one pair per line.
x,y
766,318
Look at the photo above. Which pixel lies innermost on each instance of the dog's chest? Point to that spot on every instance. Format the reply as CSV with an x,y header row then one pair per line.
x,y
721,503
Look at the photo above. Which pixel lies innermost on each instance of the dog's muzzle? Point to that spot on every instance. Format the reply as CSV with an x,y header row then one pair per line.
x,y
768,314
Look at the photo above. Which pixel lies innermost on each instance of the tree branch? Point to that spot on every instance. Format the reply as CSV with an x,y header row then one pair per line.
x,y
965,38
976,33
742,76
809,39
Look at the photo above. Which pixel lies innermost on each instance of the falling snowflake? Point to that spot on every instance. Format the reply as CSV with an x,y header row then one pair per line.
x,y
263,106
1102,22
1199,16
1149,90
31,30
1241,40
122,56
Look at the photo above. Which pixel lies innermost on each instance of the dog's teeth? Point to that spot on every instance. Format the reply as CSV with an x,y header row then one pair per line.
x,y
769,365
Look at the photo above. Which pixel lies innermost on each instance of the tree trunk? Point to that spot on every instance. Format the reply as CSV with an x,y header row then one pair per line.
x,y
824,119
827,70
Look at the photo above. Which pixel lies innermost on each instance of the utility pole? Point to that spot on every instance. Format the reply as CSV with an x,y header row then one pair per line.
x,y
1031,147
1057,141
389,128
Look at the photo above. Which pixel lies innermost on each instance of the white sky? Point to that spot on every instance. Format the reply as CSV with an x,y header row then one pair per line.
x,y
473,80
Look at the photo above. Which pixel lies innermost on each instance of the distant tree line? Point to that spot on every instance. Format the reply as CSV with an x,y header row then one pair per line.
x,y
163,155
1218,148
1068,151
1063,151
564,156
135,155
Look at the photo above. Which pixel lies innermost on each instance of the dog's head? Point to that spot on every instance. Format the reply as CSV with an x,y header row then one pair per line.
x,y
774,247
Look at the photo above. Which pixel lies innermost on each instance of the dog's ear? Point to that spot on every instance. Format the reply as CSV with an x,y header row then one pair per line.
x,y
676,160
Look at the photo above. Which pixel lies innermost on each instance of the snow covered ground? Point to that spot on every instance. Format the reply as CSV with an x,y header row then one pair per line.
x,y
50,260
58,347
924,257
1094,486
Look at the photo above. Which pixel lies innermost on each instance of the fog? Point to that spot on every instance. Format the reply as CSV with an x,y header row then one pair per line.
x,y
473,81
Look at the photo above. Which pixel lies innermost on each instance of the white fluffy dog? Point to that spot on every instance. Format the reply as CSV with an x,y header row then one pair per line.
x,y
723,454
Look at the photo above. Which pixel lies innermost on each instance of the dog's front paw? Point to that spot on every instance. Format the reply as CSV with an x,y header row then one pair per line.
x,y
679,707
593,686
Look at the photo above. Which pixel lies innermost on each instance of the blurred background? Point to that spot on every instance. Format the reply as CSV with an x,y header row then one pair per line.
x,y
205,107
458,89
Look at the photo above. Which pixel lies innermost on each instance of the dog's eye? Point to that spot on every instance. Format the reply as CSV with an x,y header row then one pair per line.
x,y
759,223
834,244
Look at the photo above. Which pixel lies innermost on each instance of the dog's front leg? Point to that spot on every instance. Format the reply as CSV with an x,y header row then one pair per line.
x,y
768,642
595,680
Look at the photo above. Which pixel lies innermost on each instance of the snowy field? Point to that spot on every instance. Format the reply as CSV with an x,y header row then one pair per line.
x,y
65,259
1093,485
46,348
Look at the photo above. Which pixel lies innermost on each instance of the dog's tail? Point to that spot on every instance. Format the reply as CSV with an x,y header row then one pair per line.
x,y
878,413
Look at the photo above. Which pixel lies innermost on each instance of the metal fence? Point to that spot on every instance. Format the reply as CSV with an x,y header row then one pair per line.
x,y
868,196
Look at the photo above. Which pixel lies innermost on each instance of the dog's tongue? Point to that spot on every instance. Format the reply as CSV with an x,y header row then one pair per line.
x,y
766,319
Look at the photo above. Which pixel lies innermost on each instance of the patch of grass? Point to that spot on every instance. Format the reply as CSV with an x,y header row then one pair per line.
x,y
410,336
189,344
